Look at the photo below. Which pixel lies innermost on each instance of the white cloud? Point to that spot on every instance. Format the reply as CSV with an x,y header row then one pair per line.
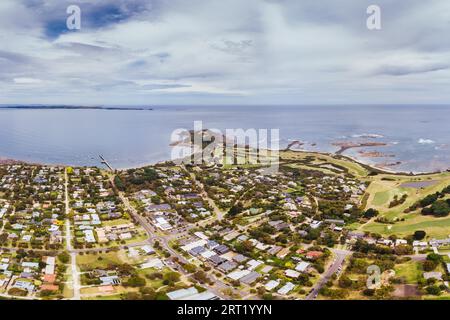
x,y
27,81
294,52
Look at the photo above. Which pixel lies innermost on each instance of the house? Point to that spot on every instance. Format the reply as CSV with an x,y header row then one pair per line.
x,y
125,236
242,238
110,280
49,278
216,260
313,255
197,250
25,285
272,284
181,293
274,250
282,226
302,266
208,254
438,243
420,244
230,236
148,249
239,258
238,274
315,224
191,294
250,278
302,233
162,223
50,269
212,244
153,263
89,236
101,235
266,269
201,235
433,275
283,253
158,207
221,249
227,266
49,287
32,265
253,264
205,295
286,288
292,273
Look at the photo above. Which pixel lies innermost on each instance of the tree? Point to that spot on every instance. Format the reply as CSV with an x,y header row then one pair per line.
x,y
119,183
131,296
64,257
190,268
403,249
345,282
3,238
435,257
172,277
429,265
135,281
419,235
235,210
434,290
368,292
201,276
440,209
147,293
370,213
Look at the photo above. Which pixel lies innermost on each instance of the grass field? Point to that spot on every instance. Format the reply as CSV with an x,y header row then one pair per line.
x,y
103,260
324,159
434,227
410,271
382,190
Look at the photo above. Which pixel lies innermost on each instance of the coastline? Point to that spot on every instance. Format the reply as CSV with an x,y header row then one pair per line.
x,y
9,161
75,108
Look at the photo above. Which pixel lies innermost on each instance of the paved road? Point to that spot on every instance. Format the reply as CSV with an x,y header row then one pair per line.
x,y
75,277
339,261
417,257
73,255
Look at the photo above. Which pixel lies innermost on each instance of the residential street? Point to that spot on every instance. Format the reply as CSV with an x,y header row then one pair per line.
x,y
73,255
339,261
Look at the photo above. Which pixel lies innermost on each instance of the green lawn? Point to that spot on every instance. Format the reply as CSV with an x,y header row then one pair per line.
x,y
435,227
410,270
101,260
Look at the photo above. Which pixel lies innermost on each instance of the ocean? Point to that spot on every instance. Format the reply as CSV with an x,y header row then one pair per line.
x,y
409,138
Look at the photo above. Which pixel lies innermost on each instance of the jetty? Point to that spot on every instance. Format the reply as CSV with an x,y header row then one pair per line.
x,y
106,163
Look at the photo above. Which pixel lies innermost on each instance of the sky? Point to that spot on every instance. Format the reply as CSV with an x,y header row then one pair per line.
x,y
209,52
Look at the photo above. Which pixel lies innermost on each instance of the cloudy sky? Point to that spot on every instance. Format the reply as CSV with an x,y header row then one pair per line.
x,y
155,52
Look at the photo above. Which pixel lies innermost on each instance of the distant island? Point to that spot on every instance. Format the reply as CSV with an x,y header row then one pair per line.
x,y
28,107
